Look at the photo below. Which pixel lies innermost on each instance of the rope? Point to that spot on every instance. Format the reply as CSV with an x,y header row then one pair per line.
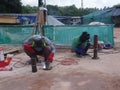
x,y
68,61
16,64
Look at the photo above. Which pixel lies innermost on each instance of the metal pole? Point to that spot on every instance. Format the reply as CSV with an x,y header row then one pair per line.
x,y
82,4
45,3
95,55
40,3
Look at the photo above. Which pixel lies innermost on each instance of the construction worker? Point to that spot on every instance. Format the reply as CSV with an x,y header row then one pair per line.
x,y
37,45
81,44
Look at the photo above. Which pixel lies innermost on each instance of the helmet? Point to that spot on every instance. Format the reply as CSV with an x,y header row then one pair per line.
x,y
38,46
37,37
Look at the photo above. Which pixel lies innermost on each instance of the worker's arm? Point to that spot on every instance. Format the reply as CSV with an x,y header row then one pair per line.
x,y
48,42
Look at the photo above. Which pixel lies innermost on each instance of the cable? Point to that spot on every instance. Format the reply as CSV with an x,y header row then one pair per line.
x,y
67,61
22,64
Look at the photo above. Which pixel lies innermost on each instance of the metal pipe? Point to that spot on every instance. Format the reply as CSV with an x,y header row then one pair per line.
x,y
95,53
40,3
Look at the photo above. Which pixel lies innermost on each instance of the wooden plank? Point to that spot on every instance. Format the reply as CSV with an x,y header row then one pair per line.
x,y
11,51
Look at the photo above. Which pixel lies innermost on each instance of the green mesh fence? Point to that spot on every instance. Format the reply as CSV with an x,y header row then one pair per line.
x,y
60,35
64,35
14,34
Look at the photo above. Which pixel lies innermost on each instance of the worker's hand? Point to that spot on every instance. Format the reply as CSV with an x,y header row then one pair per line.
x,y
50,57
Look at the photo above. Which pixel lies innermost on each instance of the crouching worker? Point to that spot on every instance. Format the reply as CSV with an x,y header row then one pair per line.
x,y
81,44
37,45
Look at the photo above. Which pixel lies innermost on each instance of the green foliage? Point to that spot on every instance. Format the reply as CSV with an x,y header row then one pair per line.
x,y
69,10
53,10
15,6
117,6
10,6
29,9
60,11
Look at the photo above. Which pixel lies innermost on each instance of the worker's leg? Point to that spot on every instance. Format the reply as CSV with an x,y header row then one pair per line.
x,y
31,53
79,51
82,49
48,57
87,47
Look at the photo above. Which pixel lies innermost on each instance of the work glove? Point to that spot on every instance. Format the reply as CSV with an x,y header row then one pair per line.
x,y
50,57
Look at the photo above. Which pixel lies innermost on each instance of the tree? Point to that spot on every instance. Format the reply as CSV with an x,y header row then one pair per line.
x,y
69,11
29,9
60,11
15,6
53,10
10,6
117,6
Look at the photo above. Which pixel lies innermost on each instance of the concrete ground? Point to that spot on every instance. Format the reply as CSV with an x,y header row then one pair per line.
x,y
69,71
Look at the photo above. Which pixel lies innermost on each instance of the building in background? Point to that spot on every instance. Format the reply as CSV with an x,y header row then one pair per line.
x,y
69,20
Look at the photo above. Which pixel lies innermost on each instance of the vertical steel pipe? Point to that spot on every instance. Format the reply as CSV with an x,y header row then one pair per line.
x,y
95,51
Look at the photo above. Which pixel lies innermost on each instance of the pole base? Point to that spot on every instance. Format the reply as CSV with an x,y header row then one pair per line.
x,y
95,57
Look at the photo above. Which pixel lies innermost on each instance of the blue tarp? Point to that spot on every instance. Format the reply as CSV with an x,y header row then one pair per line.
x,y
27,19
116,12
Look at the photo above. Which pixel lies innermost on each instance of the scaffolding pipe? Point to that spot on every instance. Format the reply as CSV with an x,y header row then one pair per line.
x,y
40,3
82,4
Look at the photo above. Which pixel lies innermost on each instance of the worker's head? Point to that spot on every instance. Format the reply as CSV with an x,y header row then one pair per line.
x,y
36,37
84,37
84,33
38,42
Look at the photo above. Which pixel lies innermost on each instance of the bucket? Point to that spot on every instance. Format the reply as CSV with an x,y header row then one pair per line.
x,y
2,58
8,59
